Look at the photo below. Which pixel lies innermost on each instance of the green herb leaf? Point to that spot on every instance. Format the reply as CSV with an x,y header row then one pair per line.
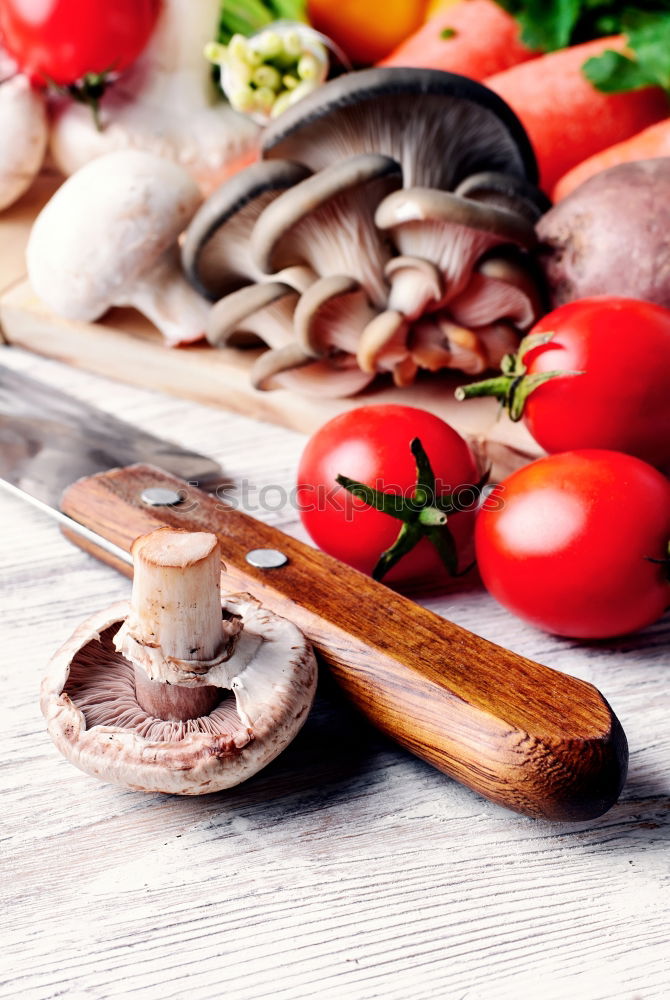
x,y
646,61
557,23
545,24
612,73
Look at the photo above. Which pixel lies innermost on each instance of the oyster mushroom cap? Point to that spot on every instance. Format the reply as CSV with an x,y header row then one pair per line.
x,y
327,222
331,315
383,338
486,299
107,237
264,310
215,253
334,377
402,112
507,191
416,284
429,205
450,231
275,362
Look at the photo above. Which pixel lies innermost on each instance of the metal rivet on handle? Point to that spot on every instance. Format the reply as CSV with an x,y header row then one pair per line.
x,y
266,558
161,496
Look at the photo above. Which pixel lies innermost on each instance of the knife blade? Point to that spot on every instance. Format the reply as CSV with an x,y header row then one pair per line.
x,y
49,439
528,737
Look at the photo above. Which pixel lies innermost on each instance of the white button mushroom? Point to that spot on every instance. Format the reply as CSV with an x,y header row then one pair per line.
x,y
24,131
181,692
108,237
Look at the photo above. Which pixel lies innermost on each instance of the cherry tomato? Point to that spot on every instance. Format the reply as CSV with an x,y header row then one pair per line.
x,y
621,401
371,445
569,543
61,41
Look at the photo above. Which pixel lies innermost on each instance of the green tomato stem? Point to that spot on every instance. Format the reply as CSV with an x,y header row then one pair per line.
x,y
424,516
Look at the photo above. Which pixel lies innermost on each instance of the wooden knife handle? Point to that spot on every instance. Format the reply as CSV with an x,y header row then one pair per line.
x,y
526,736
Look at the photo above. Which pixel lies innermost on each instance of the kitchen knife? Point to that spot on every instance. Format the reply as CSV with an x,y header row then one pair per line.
x,y
49,439
523,735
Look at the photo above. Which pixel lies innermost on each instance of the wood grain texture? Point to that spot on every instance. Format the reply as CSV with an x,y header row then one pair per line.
x,y
532,739
349,870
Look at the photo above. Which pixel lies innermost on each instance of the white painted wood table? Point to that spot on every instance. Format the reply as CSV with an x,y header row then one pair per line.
x,y
347,869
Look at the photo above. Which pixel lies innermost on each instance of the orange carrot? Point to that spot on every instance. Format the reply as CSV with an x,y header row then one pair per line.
x,y
485,40
566,118
650,144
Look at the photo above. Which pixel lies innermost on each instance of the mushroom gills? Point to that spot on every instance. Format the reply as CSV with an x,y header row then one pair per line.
x,y
331,315
440,127
255,314
450,231
327,222
216,253
487,299
515,194
141,695
417,285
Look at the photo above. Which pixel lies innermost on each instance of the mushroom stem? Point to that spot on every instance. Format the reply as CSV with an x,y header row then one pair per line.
x,y
175,613
164,296
174,702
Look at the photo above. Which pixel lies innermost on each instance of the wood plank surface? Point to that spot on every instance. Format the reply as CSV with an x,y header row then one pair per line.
x,y
123,345
347,870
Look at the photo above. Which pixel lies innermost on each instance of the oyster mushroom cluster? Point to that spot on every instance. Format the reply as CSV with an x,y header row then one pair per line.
x,y
389,228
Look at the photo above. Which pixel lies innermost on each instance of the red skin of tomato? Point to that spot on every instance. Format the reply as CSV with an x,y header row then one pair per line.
x,y
62,40
372,445
568,547
622,401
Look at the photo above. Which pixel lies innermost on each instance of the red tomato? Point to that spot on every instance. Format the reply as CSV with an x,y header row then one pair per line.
x,y
568,540
621,401
61,41
371,444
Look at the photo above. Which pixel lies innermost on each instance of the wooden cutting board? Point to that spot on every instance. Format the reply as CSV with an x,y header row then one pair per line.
x,y
126,347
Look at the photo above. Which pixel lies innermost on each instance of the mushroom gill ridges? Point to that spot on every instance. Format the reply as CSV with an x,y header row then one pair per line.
x,y
416,223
